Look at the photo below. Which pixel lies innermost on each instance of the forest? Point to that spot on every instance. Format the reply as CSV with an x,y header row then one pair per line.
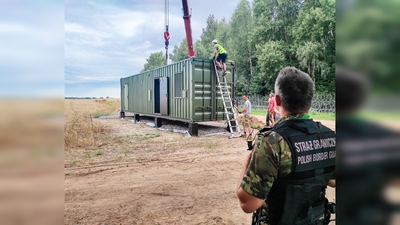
x,y
263,36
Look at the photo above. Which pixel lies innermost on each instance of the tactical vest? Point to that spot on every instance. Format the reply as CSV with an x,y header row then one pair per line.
x,y
221,49
299,197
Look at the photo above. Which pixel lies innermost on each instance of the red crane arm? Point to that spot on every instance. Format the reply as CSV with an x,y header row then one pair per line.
x,y
186,19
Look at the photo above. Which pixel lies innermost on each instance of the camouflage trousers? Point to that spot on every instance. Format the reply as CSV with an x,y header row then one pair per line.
x,y
246,121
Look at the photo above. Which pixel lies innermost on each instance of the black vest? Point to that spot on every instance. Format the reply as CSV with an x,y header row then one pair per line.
x,y
299,197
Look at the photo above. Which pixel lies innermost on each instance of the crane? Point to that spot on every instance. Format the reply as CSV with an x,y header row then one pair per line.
x,y
186,19
166,33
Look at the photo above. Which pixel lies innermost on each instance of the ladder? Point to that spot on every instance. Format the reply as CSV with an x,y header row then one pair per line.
x,y
227,102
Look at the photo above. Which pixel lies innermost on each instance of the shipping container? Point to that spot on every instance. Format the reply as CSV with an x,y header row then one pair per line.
x,y
185,91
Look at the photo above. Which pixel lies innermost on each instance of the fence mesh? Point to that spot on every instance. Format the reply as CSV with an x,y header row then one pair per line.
x,y
322,103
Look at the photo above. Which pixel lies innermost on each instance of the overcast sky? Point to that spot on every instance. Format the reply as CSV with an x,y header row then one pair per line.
x,y
107,40
31,48
82,48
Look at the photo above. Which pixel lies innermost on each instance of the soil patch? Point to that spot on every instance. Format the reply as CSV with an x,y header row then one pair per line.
x,y
144,175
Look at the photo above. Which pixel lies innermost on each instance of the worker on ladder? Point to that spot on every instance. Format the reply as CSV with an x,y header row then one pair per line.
x,y
222,56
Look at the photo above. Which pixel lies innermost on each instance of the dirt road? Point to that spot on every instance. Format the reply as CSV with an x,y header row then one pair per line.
x,y
155,177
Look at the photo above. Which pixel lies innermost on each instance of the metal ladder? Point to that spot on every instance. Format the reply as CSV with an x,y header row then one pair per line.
x,y
227,102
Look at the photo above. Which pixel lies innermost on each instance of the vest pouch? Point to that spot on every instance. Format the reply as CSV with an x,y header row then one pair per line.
x,y
302,205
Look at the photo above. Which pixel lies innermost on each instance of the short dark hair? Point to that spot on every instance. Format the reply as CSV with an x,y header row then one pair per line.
x,y
351,90
295,89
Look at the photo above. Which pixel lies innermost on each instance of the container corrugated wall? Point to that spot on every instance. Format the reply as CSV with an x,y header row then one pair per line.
x,y
192,93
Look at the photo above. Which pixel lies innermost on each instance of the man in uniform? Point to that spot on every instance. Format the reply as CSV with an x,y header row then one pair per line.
x,y
285,176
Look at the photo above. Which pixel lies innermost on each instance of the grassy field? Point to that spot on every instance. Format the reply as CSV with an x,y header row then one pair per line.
x,y
80,130
314,115
385,116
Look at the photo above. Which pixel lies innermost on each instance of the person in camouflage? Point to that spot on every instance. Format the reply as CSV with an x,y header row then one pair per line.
x,y
275,164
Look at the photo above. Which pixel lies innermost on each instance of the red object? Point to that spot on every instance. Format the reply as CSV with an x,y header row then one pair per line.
x,y
166,36
186,19
271,105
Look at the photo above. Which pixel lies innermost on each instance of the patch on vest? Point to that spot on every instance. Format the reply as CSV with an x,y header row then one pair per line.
x,y
314,151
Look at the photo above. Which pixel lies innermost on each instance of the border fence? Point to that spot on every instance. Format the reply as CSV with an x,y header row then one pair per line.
x,y
322,103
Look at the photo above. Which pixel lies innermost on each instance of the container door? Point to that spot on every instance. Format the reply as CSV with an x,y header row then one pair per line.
x,y
126,99
164,95
157,95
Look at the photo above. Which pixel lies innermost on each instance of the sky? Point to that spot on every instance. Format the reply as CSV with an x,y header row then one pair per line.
x,y
107,40
31,48
81,48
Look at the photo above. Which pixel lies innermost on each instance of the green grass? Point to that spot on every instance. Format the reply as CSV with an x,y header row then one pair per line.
x,y
98,153
258,127
148,136
86,154
126,151
383,116
322,116
314,115
113,103
260,112
98,114
74,163
101,113
110,107
142,137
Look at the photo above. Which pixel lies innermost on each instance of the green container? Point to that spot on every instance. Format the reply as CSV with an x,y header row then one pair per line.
x,y
184,91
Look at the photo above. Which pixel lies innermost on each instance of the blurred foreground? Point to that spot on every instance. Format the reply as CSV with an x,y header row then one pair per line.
x,y
368,166
31,161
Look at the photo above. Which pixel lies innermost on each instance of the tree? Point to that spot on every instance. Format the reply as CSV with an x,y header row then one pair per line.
x,y
308,55
154,61
202,51
267,35
203,47
369,42
272,33
314,42
210,32
270,61
214,30
180,53
274,19
241,50
222,35
262,13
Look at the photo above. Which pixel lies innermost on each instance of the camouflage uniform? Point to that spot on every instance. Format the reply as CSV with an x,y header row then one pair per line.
x,y
271,158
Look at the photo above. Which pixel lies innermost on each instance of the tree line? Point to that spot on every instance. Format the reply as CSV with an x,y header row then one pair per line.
x,y
263,36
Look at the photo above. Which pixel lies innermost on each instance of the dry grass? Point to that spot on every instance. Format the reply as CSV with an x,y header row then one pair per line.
x,y
90,141
80,129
